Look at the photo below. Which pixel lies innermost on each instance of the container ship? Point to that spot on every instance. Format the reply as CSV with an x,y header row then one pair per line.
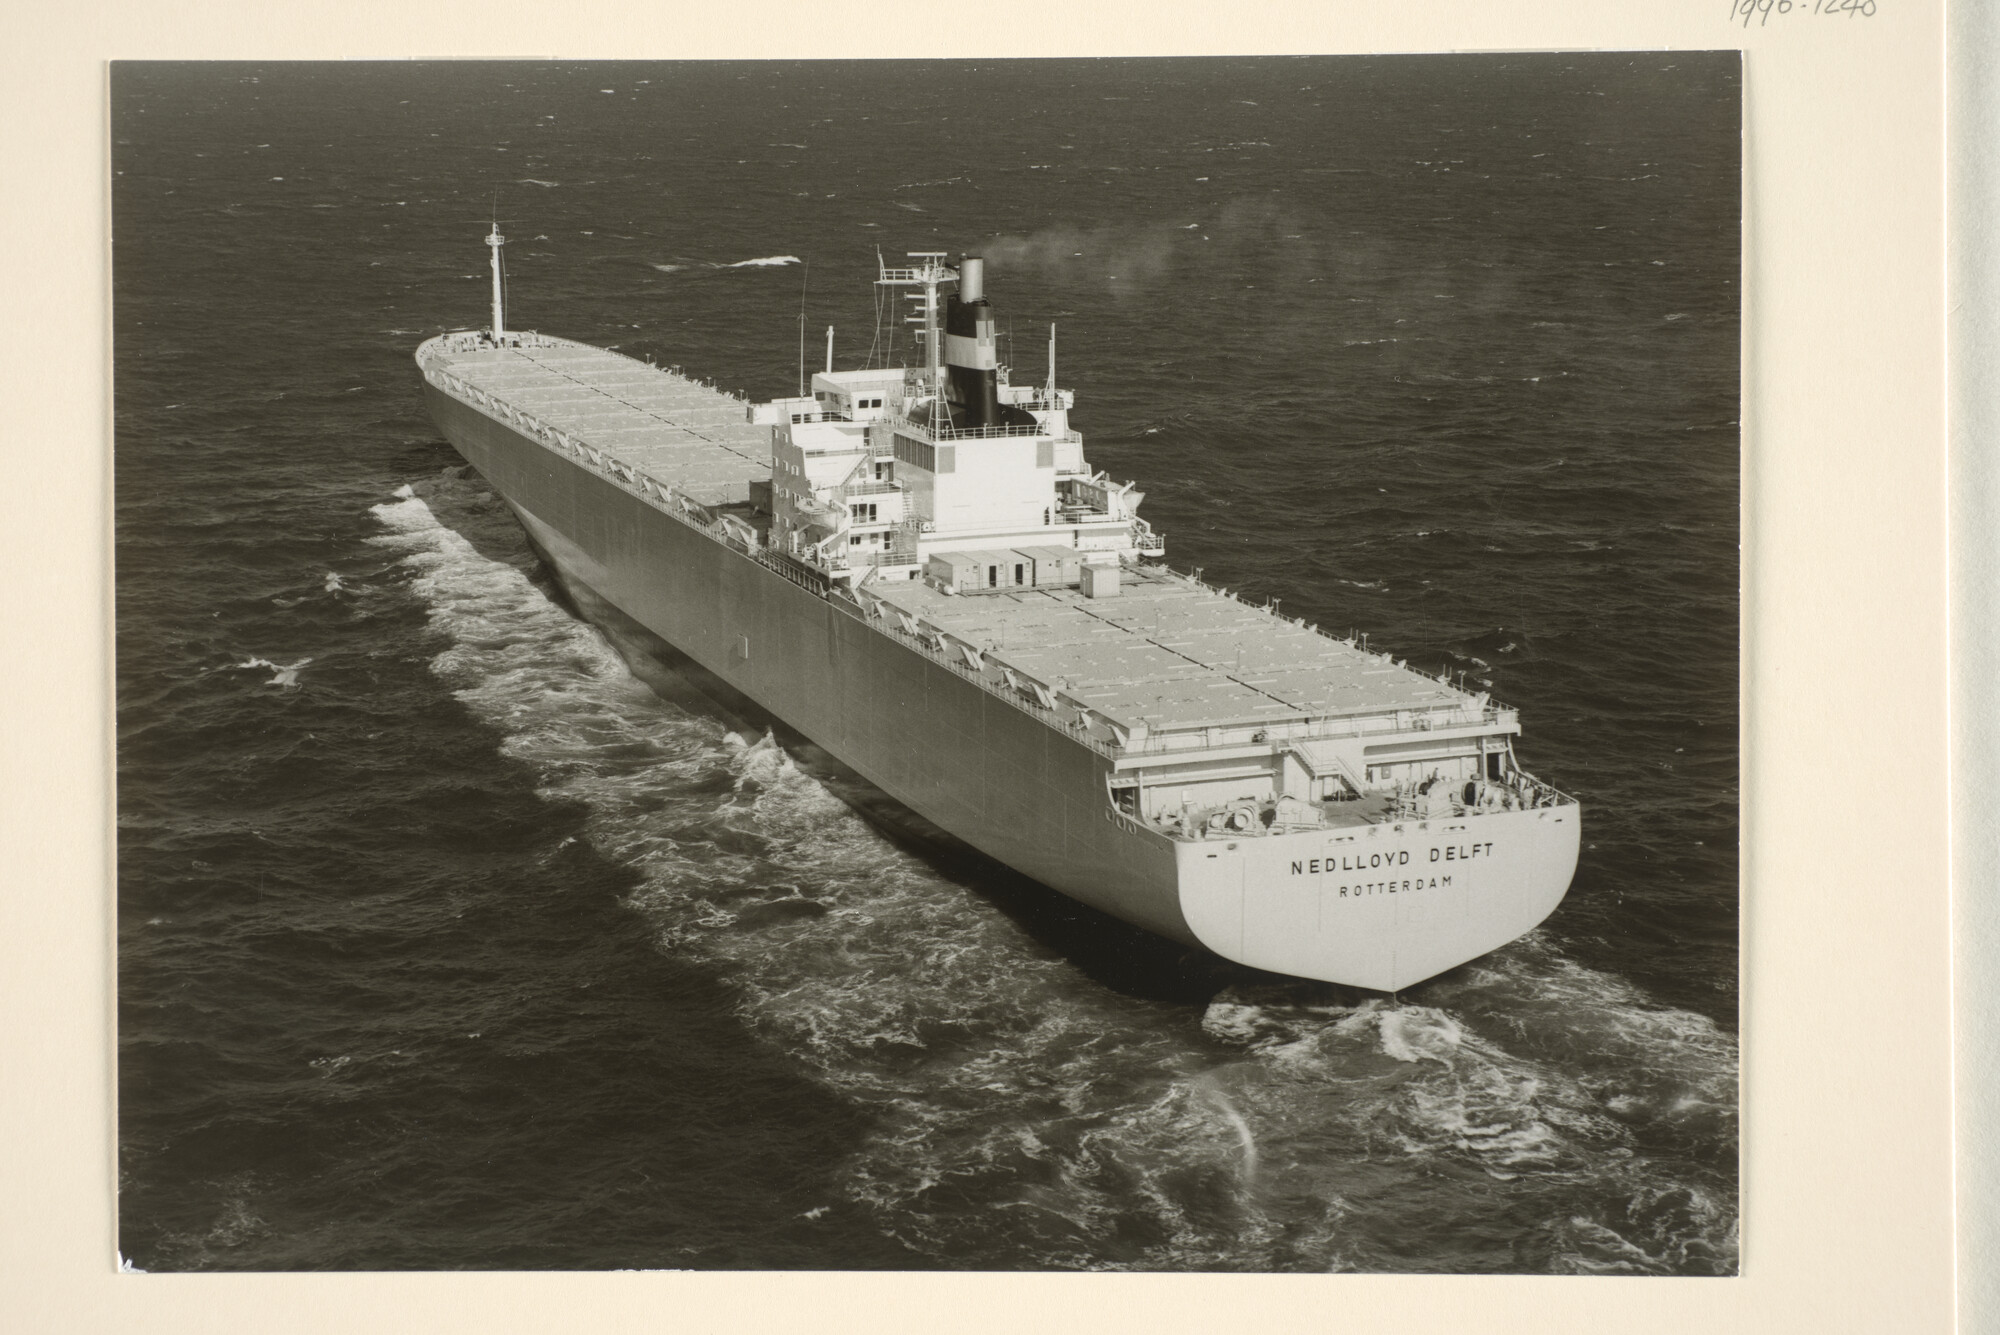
x,y
917,569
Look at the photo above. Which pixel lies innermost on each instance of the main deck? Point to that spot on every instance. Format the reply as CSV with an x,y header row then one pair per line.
x,y
1170,653
653,420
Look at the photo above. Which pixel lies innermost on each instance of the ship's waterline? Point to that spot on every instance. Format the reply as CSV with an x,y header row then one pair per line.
x,y
918,571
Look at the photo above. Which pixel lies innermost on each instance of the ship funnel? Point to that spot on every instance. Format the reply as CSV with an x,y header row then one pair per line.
x,y
970,357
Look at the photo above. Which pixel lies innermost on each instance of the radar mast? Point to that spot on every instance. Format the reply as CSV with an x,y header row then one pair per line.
x,y
927,273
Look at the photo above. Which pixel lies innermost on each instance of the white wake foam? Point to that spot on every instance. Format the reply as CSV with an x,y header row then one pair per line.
x,y
762,262
1022,1114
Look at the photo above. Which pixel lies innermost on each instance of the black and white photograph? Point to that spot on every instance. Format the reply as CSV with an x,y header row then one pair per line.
x,y
1039,665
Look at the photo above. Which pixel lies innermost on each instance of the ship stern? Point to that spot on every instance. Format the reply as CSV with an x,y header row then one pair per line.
x,y
1380,906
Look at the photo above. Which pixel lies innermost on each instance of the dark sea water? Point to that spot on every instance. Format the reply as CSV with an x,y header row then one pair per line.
x,y
454,934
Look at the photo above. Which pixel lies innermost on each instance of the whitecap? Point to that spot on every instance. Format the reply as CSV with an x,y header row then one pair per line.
x,y
1213,1094
282,674
1419,1033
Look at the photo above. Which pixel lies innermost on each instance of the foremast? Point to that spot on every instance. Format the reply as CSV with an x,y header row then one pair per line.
x,y
496,241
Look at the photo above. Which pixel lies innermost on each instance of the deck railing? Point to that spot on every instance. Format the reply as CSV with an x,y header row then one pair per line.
x,y
921,430
479,340
870,487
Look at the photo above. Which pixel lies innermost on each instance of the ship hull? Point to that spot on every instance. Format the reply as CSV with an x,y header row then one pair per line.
x,y
988,773
998,777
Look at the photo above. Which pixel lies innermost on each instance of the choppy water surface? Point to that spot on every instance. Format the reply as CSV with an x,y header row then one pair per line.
x,y
456,930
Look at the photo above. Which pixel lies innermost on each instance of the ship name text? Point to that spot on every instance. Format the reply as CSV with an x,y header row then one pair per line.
x,y
1373,861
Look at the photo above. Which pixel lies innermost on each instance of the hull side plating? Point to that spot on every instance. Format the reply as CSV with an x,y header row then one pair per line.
x,y
992,775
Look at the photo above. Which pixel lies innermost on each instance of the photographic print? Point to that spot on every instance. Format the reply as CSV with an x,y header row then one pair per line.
x,y
1044,665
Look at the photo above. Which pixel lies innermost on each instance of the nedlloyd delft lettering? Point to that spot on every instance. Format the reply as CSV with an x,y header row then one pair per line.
x,y
1461,852
1373,861
1356,862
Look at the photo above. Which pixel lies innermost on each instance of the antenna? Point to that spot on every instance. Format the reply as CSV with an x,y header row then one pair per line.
x,y
829,349
876,341
1052,364
804,271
